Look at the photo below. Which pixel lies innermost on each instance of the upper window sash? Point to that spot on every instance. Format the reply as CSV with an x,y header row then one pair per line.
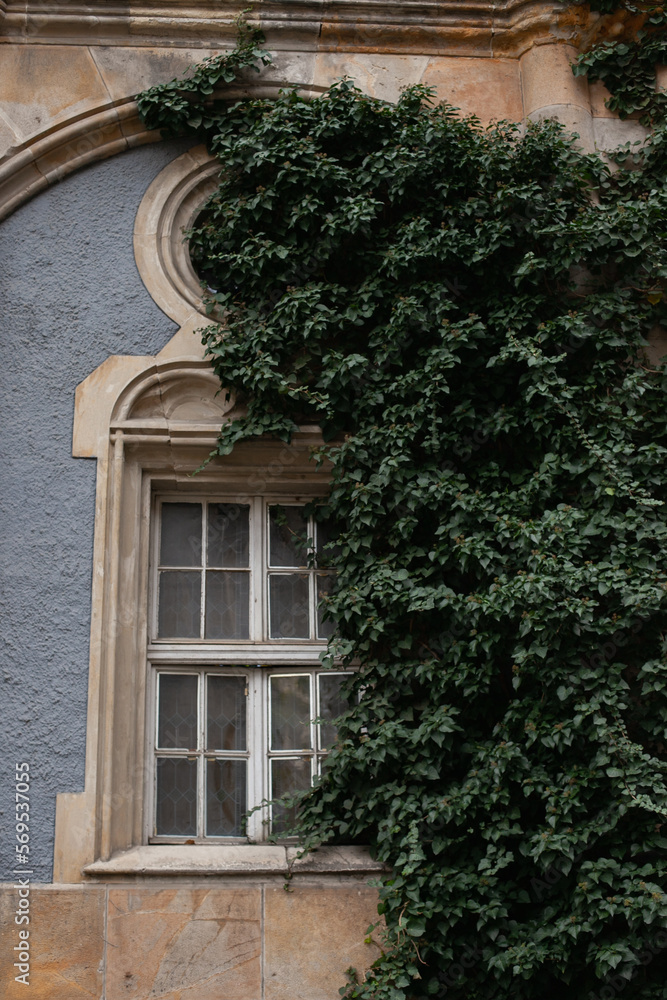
x,y
227,570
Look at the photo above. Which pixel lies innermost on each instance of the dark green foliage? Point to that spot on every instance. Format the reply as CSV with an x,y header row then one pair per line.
x,y
627,66
465,314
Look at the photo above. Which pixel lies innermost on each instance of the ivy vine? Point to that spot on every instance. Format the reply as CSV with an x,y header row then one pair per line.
x,y
472,331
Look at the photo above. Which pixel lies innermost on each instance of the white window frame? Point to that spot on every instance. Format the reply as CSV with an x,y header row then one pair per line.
x,y
259,753
259,656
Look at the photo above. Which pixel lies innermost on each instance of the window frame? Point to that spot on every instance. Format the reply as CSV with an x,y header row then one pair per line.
x,y
259,656
259,753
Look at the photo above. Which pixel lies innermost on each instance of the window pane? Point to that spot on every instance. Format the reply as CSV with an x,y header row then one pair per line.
x,y
325,534
227,605
176,814
289,606
228,535
290,713
324,585
226,713
332,704
180,537
287,777
177,713
287,531
225,797
179,604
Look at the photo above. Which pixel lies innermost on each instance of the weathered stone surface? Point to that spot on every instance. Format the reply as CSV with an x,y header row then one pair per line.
x,y
377,74
311,936
598,95
547,79
488,88
183,944
63,81
66,943
126,70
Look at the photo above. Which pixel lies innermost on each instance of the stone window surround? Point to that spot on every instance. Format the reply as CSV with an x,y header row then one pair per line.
x,y
163,420
150,422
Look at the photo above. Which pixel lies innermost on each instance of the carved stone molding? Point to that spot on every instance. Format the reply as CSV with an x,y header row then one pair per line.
x,y
406,26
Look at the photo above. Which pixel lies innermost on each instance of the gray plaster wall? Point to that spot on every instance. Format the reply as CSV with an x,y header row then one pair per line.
x,y
70,296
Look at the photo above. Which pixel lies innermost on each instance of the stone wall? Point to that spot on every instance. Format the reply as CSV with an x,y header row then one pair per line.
x,y
190,940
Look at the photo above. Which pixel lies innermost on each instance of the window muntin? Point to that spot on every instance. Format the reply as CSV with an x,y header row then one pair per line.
x,y
231,573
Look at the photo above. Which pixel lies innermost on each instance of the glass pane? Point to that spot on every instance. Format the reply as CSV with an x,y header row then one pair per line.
x,y
176,814
324,586
227,605
332,704
225,797
325,534
287,531
290,713
226,713
179,603
287,777
289,606
177,712
180,537
228,535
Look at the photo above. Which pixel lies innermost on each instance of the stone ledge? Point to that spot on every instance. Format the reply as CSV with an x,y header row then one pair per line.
x,y
163,860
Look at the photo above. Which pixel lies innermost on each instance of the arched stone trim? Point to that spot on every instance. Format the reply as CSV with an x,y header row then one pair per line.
x,y
49,156
169,207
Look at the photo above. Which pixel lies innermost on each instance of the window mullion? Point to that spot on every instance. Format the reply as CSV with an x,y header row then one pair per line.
x,y
204,562
256,752
201,758
258,582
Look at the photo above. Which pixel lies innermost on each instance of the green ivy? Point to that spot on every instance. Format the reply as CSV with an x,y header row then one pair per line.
x,y
627,66
469,327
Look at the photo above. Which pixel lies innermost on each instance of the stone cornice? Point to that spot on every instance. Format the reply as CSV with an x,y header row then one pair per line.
x,y
406,26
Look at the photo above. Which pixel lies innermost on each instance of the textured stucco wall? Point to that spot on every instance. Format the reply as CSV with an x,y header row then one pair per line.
x,y
70,295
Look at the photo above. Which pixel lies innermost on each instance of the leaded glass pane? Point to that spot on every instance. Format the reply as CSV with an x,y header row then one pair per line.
x,y
289,616
176,813
179,601
287,532
180,536
177,712
227,604
290,712
226,797
287,777
332,704
324,585
226,713
228,535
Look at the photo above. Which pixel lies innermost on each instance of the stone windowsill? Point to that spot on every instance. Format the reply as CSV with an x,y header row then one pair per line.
x,y
235,859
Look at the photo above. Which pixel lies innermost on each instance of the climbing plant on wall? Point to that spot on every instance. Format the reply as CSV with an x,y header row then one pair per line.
x,y
468,315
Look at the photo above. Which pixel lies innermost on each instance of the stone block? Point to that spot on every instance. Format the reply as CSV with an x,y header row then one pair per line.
x,y
312,935
610,133
488,88
41,84
183,944
547,79
599,94
379,75
576,120
66,943
128,70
